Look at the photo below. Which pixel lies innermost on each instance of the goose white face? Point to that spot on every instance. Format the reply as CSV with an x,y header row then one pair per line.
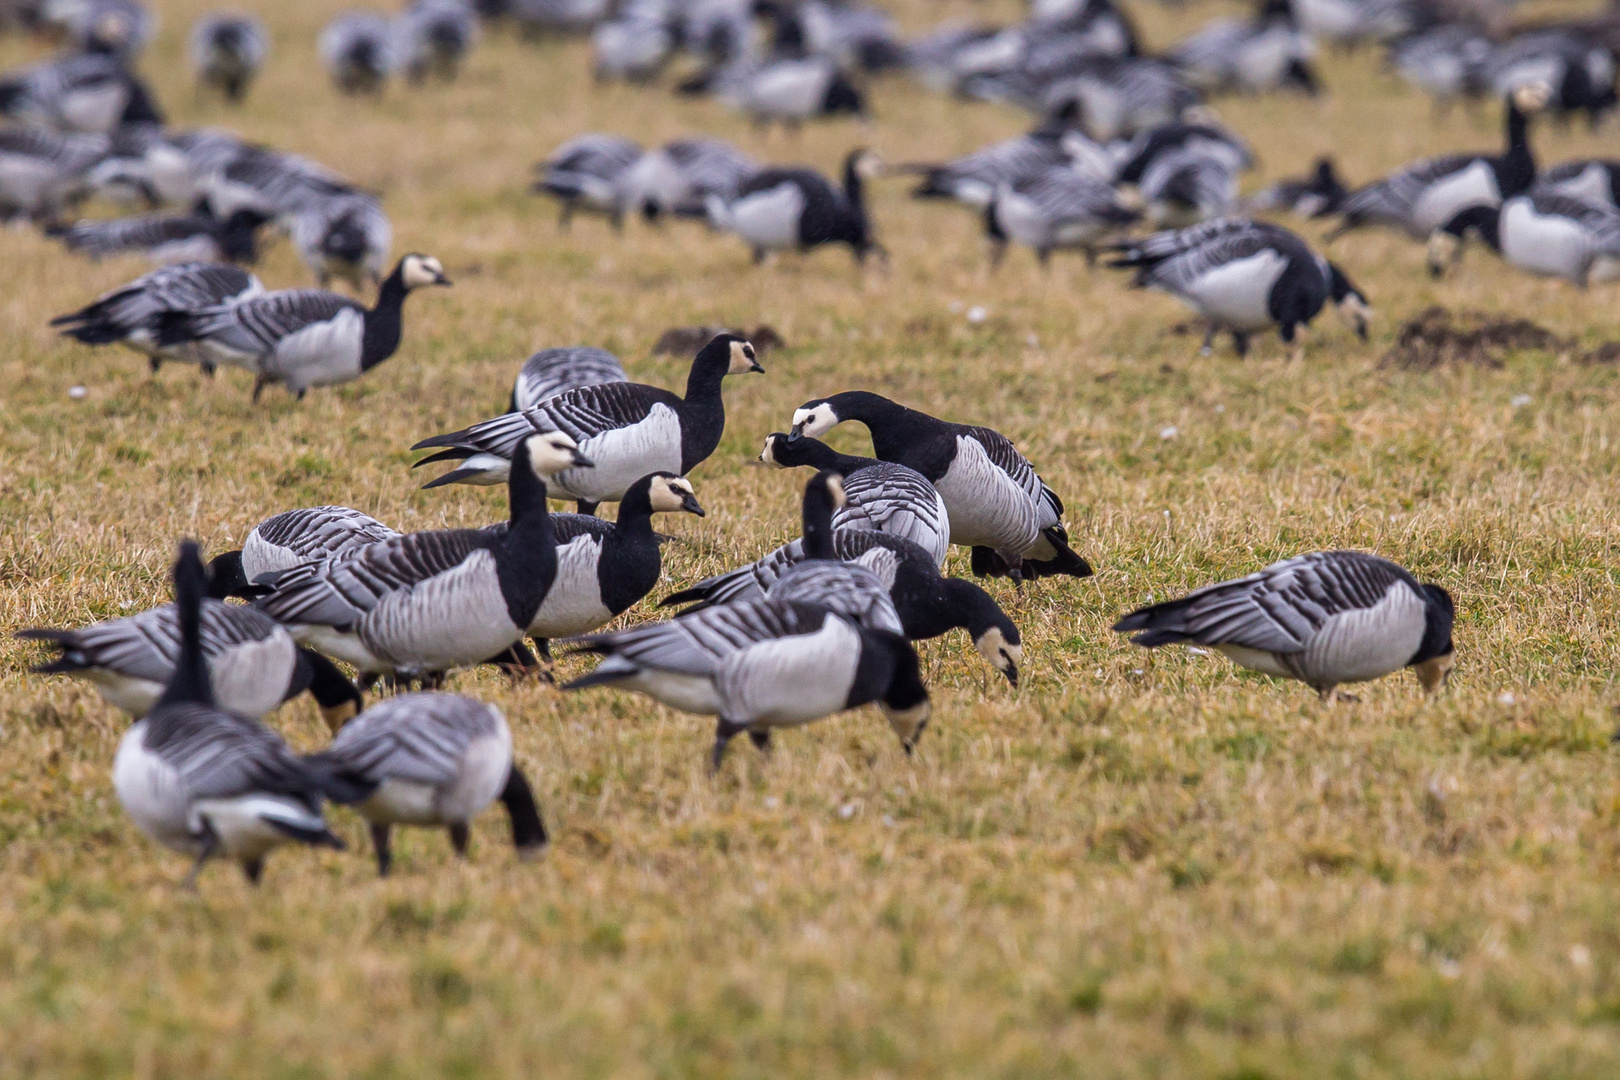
x,y
1532,96
908,724
674,495
814,420
418,271
768,455
835,488
1002,654
552,452
743,359
1435,672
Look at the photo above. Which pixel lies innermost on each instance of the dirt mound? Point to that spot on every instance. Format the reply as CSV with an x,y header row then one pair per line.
x,y
1437,337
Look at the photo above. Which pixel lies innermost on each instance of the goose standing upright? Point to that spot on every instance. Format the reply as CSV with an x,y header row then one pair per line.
x,y
210,783
227,51
1326,618
304,337
998,506
627,429
131,315
799,209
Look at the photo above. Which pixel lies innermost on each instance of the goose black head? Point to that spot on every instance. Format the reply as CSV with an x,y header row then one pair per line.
x,y
726,354
1351,305
905,701
994,634
1436,656
784,451
226,578
417,271
823,496
671,494
529,836
1447,242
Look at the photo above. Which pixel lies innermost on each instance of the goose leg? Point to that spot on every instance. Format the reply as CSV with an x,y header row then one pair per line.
x,y
458,838
253,869
1240,342
260,381
210,849
586,507
155,363
1209,341
724,731
565,216
207,369
761,739
380,840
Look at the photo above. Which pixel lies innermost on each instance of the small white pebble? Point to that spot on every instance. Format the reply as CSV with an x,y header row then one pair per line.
x,y
888,820
1448,968
78,393
977,314
846,811
1032,341
772,802
1507,699
1580,956
1519,401
125,605
1137,671
1220,408
1169,432
1099,673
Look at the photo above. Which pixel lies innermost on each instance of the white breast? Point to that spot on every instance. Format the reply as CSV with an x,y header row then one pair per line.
x,y
574,604
793,89
454,619
1449,196
1364,644
986,507
791,681
251,679
1022,221
1235,293
150,792
1591,185
623,456
769,219
345,645
480,779
96,109
322,354
1544,244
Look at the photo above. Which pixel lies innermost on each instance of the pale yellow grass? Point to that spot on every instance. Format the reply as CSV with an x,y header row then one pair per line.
x,y
1137,866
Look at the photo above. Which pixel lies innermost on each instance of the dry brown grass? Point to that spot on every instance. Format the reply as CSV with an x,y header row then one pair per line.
x,y
1140,865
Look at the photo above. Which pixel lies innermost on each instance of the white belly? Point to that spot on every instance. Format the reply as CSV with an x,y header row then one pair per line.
x,y
134,696
1550,244
345,645
453,620
151,793
1236,294
574,604
623,456
243,824
95,111
769,219
688,693
324,354
790,90
791,682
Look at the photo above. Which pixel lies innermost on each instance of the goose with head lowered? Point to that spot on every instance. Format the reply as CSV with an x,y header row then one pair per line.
x,y
292,538
1057,209
764,664
226,51
1243,277
878,495
199,236
799,209
997,504
1326,618
304,337
130,315
628,429
1540,232
434,760
207,782
416,606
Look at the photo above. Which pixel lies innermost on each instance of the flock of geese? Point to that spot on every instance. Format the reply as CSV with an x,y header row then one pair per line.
x,y
330,601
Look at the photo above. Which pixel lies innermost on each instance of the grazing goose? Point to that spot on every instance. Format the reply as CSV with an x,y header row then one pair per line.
x,y
1267,53
1056,209
280,184
762,665
346,236
584,174
292,538
227,51
628,429
1326,618
551,372
209,783
792,90
878,495
413,607
678,178
1541,232
781,209
253,664
131,315
169,238
435,760
1578,71
973,178
116,28
1243,277
998,506
433,37
1594,181
1118,97
1184,187
42,173
633,48
1446,62
90,92
1179,137
1425,195
1316,195
928,603
304,337
357,51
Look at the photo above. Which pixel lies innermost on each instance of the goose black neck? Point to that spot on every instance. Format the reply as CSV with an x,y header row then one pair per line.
x,y
893,426
906,689
854,187
189,684
1438,614
327,683
384,323
1518,169
526,495
818,514
528,831
816,454
950,604
226,576
635,511
705,409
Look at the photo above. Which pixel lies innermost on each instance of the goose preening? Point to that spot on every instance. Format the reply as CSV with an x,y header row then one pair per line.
x,y
584,174
997,504
207,782
628,430
132,314
199,236
292,538
1326,618
879,495
416,606
1541,232
434,760
304,337
762,665
226,51
346,236
1058,209
1315,195
433,37
1243,277
1423,196
89,92
799,209
356,49
551,372
42,173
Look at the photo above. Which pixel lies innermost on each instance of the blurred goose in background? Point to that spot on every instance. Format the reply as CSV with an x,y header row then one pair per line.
x,y
1184,186
537,18
278,183
1201,137
292,538
551,372
792,90
1265,53
207,782
43,173
877,495
89,93
583,174
1540,232
1578,72
199,236
779,209
1325,619
1316,195
131,314
304,337
414,607
973,178
998,506
762,665
118,28
227,50
1118,97
437,761
1593,181
1243,277
433,37
635,47
678,178
345,236
628,430
356,49
1058,209
1447,62
1350,22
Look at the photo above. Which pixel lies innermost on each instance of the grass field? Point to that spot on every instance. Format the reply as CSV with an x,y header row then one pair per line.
x,y
1136,866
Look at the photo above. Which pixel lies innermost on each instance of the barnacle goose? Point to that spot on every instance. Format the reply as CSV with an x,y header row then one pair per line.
x,y
878,495
89,92
1447,61
677,178
1578,71
1423,196
779,209
357,51
119,28
227,50
764,664
207,782
415,606
1200,137
791,90
584,174
1315,195
634,47
433,37
199,236
928,603
1347,22
1266,53
292,538
998,506
304,337
1183,187
1118,97
41,172
1326,618
1054,210
628,429
974,178
346,236
1243,277
551,372
1594,181
130,315
535,18
1541,232
281,184
431,759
